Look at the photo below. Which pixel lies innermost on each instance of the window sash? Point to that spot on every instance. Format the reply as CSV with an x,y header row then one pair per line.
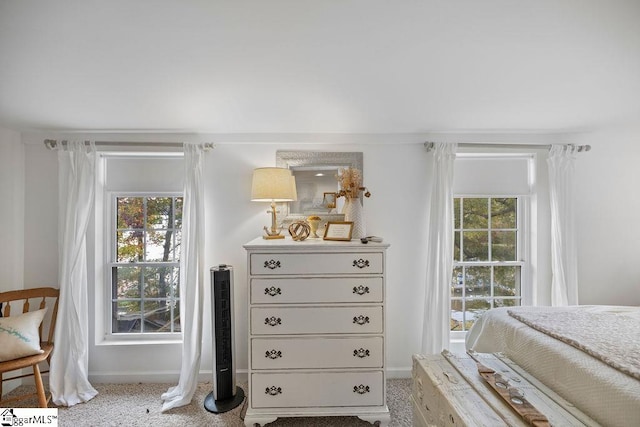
x,y
489,229
172,300
460,263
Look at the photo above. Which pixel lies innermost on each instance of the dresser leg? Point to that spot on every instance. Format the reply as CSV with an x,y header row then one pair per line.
x,y
379,420
258,421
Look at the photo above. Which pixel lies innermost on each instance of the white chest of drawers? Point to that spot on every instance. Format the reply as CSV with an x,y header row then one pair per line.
x,y
316,330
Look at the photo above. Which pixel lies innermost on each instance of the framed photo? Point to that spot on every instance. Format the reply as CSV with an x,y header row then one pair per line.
x,y
329,200
339,230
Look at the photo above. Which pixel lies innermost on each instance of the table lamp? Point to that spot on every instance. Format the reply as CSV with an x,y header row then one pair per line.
x,y
273,185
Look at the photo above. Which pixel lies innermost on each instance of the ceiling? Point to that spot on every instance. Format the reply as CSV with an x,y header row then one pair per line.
x,y
323,66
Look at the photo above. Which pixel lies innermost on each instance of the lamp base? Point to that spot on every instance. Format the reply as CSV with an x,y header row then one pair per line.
x,y
277,236
273,232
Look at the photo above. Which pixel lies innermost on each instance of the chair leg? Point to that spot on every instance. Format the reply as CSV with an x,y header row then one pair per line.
x,y
42,398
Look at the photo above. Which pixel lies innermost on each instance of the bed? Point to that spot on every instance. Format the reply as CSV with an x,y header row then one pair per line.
x,y
590,355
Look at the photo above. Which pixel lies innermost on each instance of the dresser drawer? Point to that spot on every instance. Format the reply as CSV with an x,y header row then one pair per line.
x,y
316,263
300,353
317,389
316,290
316,320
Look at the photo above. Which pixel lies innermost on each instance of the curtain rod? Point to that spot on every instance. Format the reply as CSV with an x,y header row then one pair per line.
x,y
579,148
52,144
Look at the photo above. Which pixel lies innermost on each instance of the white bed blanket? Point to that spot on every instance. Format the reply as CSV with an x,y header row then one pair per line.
x,y
605,394
612,335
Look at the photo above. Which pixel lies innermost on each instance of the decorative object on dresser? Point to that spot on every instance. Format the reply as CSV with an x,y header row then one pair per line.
x,y
339,230
351,188
316,330
316,184
273,185
329,200
314,221
299,231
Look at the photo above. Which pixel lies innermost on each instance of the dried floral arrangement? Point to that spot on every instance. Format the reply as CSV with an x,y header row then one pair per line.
x,y
350,180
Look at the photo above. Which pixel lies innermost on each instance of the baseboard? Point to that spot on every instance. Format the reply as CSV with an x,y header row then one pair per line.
x,y
203,376
153,377
398,373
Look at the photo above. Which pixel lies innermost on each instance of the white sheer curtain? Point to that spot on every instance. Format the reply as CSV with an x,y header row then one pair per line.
x,y
191,279
564,251
435,328
68,377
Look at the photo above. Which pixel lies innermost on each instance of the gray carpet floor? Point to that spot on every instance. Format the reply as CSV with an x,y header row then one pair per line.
x,y
140,405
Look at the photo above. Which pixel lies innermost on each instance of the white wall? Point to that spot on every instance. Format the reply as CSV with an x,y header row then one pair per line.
x,y
11,210
11,217
608,215
40,217
396,173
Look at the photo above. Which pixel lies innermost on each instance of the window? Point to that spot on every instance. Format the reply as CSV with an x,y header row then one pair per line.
x,y
144,267
487,264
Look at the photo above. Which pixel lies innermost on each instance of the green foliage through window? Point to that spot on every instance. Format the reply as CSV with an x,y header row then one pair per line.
x,y
145,272
487,269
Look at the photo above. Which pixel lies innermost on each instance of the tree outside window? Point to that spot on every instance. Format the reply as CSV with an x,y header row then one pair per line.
x,y
486,264
145,272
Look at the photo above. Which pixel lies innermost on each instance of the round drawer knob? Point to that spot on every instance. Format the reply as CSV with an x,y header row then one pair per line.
x,y
272,291
361,389
361,353
272,264
273,321
361,320
273,390
273,354
361,290
361,263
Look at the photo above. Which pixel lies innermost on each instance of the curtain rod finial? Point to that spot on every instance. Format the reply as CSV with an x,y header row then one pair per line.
x,y
51,144
429,145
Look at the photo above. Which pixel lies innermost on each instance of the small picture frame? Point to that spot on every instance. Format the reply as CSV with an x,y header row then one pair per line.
x,y
338,230
329,200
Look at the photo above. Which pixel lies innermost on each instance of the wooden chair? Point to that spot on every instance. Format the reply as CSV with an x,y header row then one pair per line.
x,y
48,297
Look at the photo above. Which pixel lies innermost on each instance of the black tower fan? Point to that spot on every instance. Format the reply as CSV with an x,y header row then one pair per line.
x,y
225,395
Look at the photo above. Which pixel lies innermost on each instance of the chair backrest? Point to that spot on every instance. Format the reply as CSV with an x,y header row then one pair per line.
x,y
44,297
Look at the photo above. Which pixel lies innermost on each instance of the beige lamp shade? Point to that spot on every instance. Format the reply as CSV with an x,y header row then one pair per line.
x,y
273,185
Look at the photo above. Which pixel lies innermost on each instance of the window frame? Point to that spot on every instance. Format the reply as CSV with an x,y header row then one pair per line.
x,y
523,251
109,261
